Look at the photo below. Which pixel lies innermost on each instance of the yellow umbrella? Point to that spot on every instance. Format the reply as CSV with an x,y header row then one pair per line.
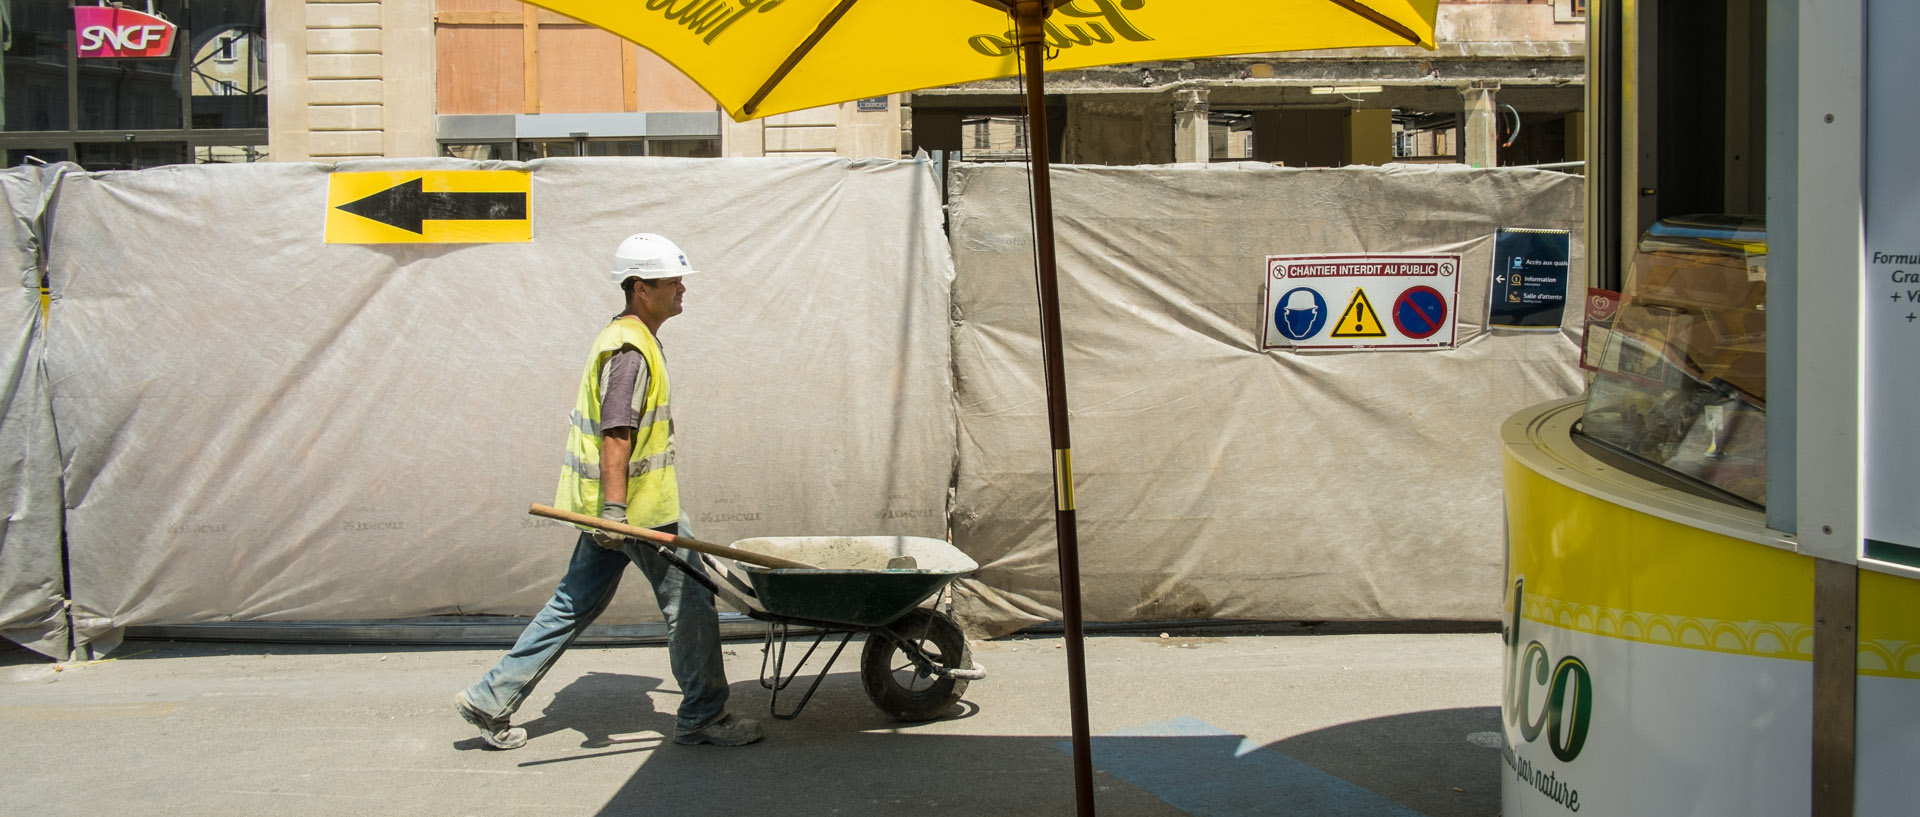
x,y
765,57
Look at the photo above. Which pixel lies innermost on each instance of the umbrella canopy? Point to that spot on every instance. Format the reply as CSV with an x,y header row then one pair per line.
x,y
765,57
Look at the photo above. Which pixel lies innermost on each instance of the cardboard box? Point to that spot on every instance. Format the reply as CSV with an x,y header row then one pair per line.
x,y
1730,346
1704,280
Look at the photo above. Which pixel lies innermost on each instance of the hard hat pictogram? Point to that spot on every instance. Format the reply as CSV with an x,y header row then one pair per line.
x,y
1301,314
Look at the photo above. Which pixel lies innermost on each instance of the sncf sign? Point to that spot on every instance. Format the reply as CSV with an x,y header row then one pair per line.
x,y
111,31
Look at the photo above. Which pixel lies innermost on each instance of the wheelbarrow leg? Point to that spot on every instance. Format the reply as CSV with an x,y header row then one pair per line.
x,y
779,679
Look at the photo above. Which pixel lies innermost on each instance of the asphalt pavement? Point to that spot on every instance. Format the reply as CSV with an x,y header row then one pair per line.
x,y
1213,722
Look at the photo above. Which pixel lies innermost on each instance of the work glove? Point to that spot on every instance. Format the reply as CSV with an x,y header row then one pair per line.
x,y
612,512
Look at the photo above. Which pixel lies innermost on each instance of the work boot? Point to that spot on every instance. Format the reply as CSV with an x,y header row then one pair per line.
x,y
495,731
726,731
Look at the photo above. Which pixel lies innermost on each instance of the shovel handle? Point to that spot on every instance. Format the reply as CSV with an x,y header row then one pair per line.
x,y
670,540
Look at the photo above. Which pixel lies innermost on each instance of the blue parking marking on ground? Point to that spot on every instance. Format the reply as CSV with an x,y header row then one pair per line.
x,y
1207,771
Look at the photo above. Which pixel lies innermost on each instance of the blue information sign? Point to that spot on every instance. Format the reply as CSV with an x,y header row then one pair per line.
x,y
1529,288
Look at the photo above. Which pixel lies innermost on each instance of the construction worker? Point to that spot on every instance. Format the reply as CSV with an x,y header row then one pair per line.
x,y
619,466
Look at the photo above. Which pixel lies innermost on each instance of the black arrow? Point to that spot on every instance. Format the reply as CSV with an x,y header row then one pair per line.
x,y
406,205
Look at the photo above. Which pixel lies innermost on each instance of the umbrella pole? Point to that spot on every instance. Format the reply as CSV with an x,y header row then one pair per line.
x,y
1029,20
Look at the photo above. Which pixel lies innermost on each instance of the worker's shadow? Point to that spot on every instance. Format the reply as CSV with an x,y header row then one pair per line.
x,y
607,709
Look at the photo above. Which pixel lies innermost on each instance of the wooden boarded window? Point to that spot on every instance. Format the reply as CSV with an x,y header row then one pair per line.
x,y
505,57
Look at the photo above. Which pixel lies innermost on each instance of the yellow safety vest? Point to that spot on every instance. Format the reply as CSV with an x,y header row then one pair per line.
x,y
653,495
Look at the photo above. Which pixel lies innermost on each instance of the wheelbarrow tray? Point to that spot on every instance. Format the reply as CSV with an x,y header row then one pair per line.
x,y
853,585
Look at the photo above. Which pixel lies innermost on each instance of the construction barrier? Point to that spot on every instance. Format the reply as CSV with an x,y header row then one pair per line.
x,y
256,424
1216,479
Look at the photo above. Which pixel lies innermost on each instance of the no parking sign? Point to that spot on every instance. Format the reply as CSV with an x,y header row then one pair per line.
x,y
1360,301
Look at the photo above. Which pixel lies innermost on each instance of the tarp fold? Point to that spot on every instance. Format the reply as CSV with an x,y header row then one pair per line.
x,y
32,576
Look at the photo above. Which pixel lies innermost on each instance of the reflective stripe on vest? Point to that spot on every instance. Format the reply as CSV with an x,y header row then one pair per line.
x,y
587,426
653,494
635,467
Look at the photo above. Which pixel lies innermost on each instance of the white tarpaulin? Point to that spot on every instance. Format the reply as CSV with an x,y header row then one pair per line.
x,y
1214,479
31,580
259,426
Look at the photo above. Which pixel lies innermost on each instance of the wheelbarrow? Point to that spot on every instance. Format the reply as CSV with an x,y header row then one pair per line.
x,y
916,663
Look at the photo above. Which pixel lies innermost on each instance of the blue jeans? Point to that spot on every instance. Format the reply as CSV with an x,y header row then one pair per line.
x,y
693,631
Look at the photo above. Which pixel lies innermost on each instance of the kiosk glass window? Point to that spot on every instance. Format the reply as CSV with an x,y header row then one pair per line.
x,y
1680,372
1678,389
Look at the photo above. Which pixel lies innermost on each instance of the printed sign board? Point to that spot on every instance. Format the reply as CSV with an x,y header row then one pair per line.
x,y
1360,301
1529,288
1602,305
112,31
1892,287
429,207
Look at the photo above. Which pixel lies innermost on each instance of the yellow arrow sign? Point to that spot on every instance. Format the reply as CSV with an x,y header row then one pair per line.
x,y
429,207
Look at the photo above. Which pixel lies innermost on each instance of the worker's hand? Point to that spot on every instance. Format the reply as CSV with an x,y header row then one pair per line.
x,y
612,512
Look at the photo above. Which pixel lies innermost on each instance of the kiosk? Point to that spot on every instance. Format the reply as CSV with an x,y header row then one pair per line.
x,y
1713,556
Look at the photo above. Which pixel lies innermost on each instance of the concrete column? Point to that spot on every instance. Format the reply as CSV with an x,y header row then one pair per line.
x,y
406,61
747,138
344,78
1190,138
1370,136
287,117
1480,142
870,133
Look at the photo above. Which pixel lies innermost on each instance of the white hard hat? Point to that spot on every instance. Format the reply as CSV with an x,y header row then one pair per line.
x,y
1300,299
648,256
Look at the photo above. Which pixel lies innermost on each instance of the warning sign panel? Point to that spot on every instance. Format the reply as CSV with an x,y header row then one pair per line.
x,y
1359,321
1417,291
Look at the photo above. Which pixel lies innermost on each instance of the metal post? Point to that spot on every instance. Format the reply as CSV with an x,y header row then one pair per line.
x,y
1836,646
1029,19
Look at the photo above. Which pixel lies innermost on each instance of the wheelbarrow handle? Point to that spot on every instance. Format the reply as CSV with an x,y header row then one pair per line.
x,y
695,545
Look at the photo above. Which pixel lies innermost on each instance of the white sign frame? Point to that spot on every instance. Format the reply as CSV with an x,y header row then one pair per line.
x,y
1335,279
1890,289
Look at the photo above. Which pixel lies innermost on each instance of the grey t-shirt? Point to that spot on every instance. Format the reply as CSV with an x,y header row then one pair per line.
x,y
623,381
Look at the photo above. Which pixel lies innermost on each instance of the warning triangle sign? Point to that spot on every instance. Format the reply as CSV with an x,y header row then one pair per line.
x,y
1359,321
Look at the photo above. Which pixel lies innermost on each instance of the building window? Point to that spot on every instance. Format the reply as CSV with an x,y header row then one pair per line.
x,y
1422,137
994,138
205,101
525,150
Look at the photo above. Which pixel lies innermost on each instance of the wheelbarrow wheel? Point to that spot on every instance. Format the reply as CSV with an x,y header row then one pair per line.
x,y
900,688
